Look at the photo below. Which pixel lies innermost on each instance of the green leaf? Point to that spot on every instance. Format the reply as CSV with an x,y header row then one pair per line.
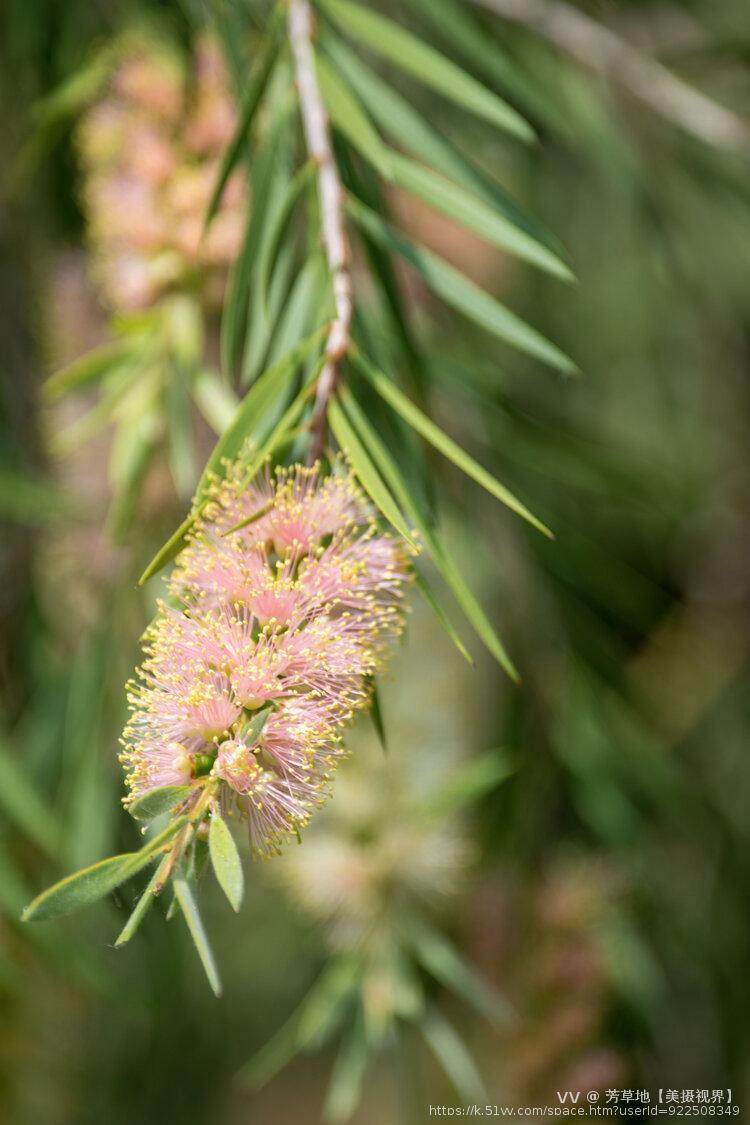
x,y
276,228
251,421
284,426
23,806
134,445
73,94
261,326
310,1025
367,474
474,214
304,308
251,519
226,861
260,403
90,367
143,905
476,616
462,294
347,1078
192,916
273,1055
427,65
480,50
473,780
92,883
266,176
216,402
350,118
159,801
376,713
81,889
433,602
326,1003
251,729
452,1054
171,548
441,960
443,561
32,502
399,120
443,443
251,100
180,449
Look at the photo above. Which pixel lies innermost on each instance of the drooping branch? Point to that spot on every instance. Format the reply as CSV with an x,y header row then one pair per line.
x,y
602,50
331,196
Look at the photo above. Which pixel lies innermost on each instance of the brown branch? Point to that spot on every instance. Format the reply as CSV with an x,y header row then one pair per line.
x,y
603,51
331,196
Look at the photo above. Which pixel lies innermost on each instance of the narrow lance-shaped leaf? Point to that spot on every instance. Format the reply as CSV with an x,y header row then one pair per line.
x,y
450,572
251,419
192,916
265,173
453,1055
464,295
454,21
226,862
260,326
180,450
469,603
92,883
252,728
303,309
250,102
249,520
86,370
348,1075
310,1025
349,116
433,602
403,123
215,400
144,903
474,214
366,472
24,806
473,780
171,548
276,228
130,457
158,801
441,960
282,429
411,414
376,713
80,889
427,65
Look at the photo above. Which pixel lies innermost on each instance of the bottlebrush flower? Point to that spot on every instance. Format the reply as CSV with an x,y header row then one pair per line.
x,y
150,152
279,626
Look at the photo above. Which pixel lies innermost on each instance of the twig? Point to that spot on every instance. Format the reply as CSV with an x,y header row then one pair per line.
x,y
331,195
604,51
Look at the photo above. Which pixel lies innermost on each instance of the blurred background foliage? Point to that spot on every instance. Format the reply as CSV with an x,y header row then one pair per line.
x,y
579,842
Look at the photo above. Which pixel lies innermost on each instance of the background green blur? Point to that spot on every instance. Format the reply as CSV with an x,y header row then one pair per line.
x,y
604,884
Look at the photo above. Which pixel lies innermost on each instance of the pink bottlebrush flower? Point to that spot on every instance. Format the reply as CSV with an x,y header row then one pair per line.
x,y
282,623
150,153
148,83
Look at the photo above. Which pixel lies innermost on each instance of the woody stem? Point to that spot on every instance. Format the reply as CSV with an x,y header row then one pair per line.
x,y
331,196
